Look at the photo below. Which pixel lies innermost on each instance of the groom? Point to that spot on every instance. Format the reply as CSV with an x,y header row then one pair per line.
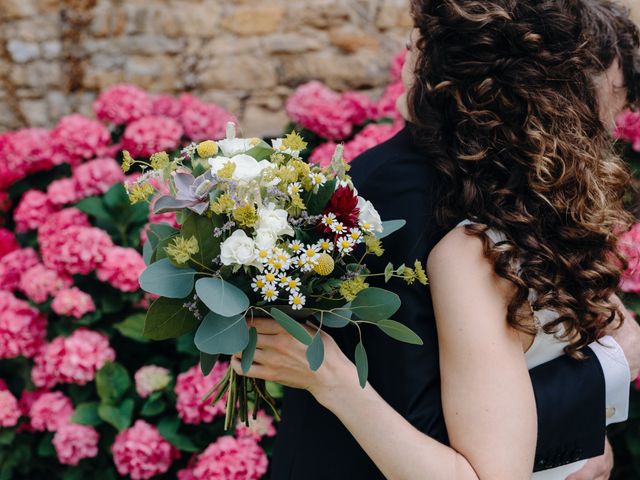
x,y
575,399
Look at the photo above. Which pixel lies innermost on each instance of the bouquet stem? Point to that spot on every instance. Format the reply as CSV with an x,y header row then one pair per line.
x,y
240,392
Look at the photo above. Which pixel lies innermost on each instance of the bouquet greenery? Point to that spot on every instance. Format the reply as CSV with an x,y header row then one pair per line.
x,y
261,233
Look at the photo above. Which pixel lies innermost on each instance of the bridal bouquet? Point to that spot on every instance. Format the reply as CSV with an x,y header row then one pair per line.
x,y
262,233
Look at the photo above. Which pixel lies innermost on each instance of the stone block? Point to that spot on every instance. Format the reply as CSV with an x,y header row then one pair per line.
x,y
22,52
255,19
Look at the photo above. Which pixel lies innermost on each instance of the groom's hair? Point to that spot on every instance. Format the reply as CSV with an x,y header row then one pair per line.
x,y
607,24
505,107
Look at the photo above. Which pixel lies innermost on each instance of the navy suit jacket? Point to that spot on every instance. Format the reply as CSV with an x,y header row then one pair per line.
x,y
313,444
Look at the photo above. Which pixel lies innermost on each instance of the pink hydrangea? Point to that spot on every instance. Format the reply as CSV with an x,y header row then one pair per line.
x,y
191,386
166,106
50,411
28,398
122,104
8,242
38,282
151,378
77,138
328,114
60,221
25,151
149,135
261,427
387,104
323,154
97,176
72,302
121,268
397,64
13,264
629,246
9,410
76,250
141,452
75,442
628,128
74,359
203,121
22,328
228,458
370,136
32,211
62,192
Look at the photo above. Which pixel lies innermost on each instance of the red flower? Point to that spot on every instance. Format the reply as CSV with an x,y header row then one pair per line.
x,y
344,205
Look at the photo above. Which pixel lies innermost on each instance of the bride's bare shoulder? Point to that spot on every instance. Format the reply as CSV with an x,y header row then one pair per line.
x,y
457,249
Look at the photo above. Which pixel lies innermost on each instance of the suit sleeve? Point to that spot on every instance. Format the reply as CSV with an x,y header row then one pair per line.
x,y
570,399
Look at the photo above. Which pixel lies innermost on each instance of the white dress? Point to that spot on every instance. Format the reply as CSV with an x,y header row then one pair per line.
x,y
545,348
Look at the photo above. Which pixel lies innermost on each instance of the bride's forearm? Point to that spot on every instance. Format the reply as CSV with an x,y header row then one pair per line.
x,y
400,451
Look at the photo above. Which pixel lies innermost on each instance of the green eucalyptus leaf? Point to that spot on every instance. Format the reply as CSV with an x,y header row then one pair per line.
x,y
86,414
147,252
112,382
168,318
336,318
315,352
207,362
296,330
133,327
388,272
389,227
261,152
222,297
164,279
399,332
250,350
375,304
362,364
226,335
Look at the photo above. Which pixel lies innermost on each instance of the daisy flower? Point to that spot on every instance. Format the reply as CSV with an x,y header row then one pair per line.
x,y
356,235
338,227
297,301
295,188
325,245
269,293
366,227
283,280
258,283
317,179
328,219
263,255
270,278
296,246
293,285
345,245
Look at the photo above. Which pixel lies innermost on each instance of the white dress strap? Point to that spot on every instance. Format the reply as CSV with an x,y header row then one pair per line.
x,y
494,235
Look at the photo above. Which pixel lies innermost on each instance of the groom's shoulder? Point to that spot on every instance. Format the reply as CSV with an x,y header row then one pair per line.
x,y
394,158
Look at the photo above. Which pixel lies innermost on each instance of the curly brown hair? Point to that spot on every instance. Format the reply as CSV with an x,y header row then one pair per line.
x,y
505,105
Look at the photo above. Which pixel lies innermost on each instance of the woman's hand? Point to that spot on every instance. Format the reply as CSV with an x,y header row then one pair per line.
x,y
281,358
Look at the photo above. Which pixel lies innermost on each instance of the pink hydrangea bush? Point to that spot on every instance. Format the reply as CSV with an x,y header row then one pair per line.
x,y
121,268
13,264
191,387
63,191
77,138
629,246
22,327
122,104
141,452
228,458
260,427
148,135
75,442
96,177
9,410
72,302
75,250
203,121
39,283
628,128
32,211
50,411
72,359
8,242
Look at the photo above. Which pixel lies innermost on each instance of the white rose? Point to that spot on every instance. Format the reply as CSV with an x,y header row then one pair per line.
x,y
274,220
218,162
238,249
248,168
265,239
368,214
234,146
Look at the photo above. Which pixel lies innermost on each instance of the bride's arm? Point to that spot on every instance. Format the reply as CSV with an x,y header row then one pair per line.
x,y
487,395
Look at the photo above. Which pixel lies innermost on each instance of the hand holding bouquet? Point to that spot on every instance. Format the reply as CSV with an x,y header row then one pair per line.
x,y
262,233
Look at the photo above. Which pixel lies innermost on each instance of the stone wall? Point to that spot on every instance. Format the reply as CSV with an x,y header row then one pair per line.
x,y
246,55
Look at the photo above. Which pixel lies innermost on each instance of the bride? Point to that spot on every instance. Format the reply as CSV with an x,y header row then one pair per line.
x,y
503,100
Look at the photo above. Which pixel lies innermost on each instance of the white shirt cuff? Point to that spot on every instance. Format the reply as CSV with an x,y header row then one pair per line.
x,y
617,378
